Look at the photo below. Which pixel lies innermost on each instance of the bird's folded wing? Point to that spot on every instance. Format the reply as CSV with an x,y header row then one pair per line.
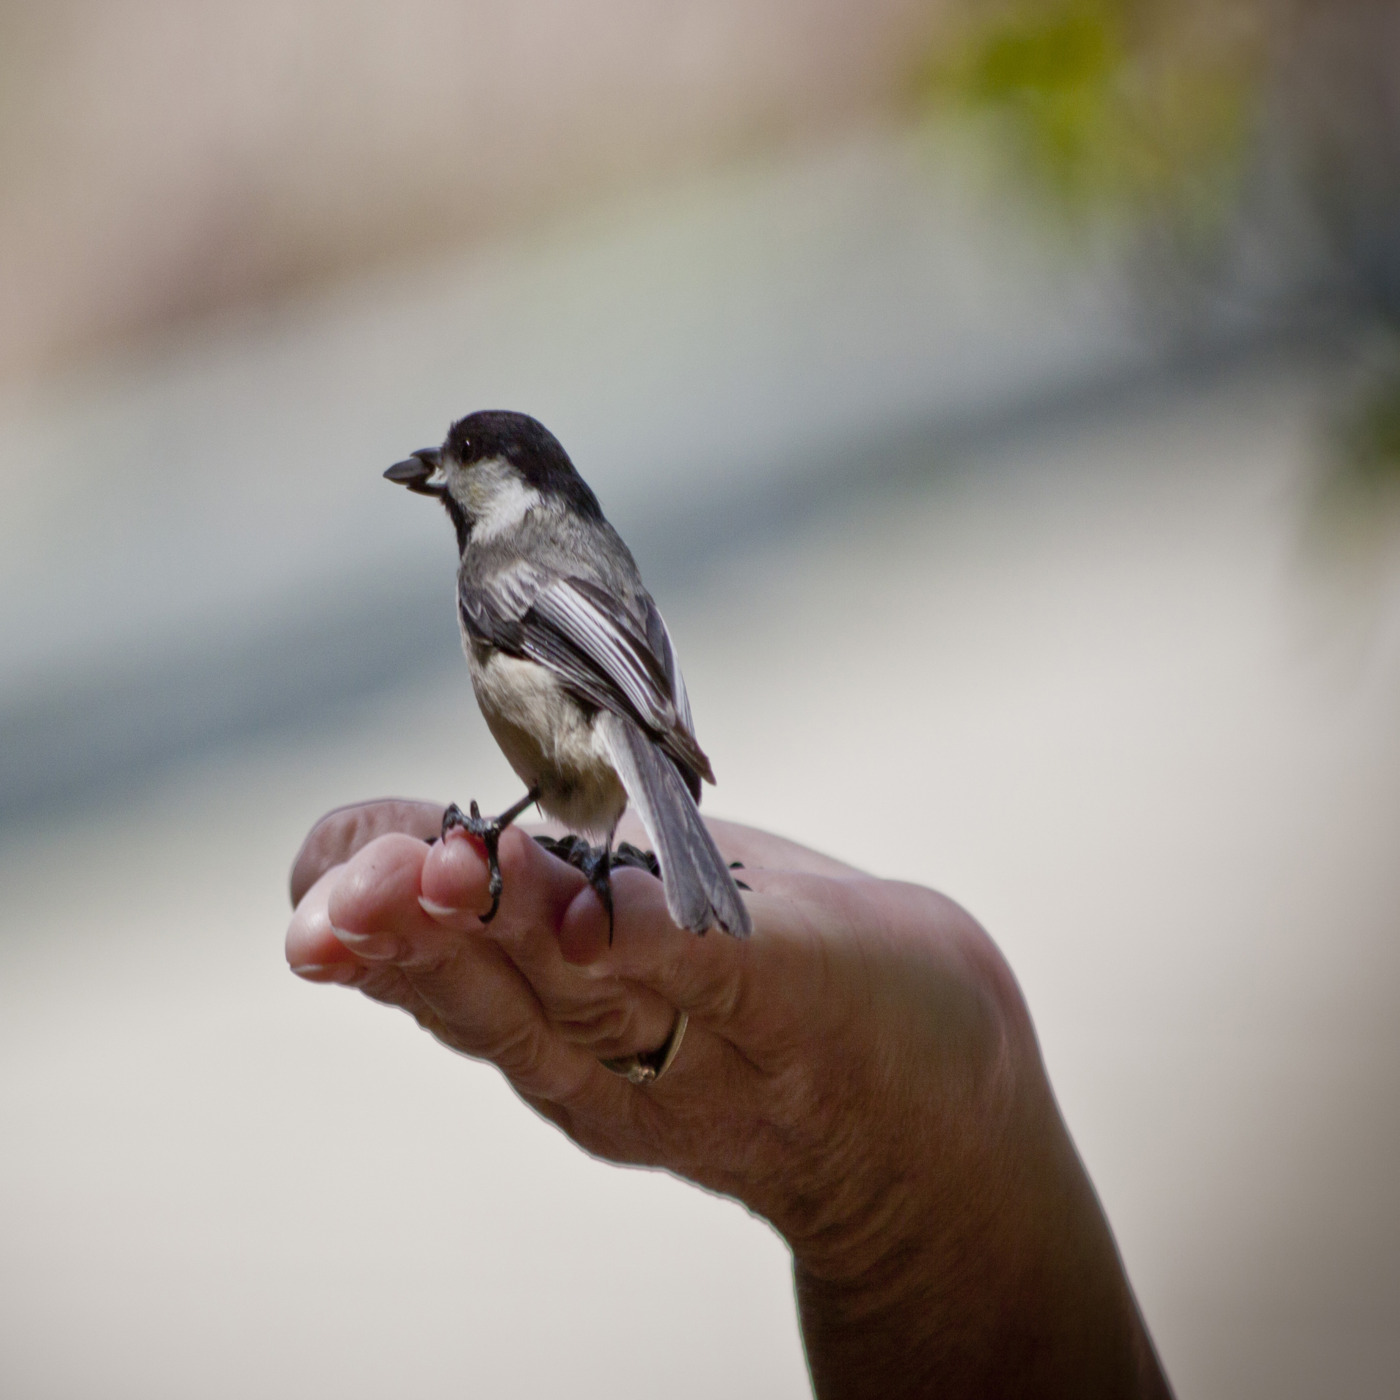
x,y
591,620
587,637
659,638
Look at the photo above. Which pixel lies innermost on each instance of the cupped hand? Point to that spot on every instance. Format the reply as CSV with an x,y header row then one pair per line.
x,y
862,1072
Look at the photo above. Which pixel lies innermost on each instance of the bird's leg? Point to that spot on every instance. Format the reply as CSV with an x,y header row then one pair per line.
x,y
488,830
597,866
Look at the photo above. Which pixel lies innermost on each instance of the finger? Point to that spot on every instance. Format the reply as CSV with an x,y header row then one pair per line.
x,y
786,982
606,1015
700,975
460,986
366,912
481,1005
374,906
342,832
671,1122
535,891
313,951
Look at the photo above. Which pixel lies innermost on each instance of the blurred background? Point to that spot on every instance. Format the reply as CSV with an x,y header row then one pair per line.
x,y
1049,344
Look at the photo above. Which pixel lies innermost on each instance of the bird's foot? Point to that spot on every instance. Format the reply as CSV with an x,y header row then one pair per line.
x,y
597,869
487,830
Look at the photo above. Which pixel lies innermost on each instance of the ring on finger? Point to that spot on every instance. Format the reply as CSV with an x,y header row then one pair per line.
x,y
648,1067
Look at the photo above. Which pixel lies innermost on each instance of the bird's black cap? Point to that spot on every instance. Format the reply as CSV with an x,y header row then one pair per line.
x,y
529,447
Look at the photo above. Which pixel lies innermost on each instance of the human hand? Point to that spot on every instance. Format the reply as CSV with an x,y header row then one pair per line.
x,y
862,1072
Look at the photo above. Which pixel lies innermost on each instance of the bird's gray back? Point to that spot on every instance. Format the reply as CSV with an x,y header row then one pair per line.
x,y
554,543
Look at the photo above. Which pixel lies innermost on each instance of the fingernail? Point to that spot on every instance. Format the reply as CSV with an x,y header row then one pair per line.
x,y
373,947
438,911
326,972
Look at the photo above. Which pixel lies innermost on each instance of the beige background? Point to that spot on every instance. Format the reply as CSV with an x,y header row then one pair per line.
x,y
1122,688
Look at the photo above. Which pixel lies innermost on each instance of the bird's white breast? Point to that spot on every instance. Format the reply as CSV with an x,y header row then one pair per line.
x,y
550,740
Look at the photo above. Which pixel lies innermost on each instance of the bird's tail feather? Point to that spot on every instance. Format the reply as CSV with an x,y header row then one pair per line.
x,y
700,891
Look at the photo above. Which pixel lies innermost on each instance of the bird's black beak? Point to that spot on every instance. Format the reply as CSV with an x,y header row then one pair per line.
x,y
419,471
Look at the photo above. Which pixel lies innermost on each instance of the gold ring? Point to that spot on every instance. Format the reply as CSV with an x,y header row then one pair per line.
x,y
648,1068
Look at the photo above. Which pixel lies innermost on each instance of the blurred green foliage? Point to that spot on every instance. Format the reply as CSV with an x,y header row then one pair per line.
x,y
1150,112
1367,455
1119,106
1353,518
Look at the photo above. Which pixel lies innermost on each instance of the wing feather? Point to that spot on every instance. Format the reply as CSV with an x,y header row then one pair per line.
x,y
591,641
600,631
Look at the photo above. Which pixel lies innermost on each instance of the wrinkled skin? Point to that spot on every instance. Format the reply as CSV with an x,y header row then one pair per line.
x,y
862,1072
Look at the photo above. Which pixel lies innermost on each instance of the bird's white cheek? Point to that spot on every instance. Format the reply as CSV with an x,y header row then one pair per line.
x,y
497,500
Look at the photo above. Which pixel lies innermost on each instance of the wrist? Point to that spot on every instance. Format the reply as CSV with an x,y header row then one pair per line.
x,y
928,1117
1010,1284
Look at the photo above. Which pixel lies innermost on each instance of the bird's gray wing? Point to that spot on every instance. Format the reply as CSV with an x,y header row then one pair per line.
x,y
587,637
700,891
497,612
664,649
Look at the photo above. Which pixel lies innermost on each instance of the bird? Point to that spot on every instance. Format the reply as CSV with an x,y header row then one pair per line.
x,y
572,666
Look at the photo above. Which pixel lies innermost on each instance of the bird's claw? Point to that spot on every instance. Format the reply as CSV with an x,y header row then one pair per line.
x,y
597,869
487,830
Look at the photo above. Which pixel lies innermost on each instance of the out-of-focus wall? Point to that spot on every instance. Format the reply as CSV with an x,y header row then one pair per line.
x,y
159,160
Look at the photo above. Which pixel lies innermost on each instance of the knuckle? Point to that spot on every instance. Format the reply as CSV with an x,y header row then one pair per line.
x,y
710,982
520,1053
603,1025
727,995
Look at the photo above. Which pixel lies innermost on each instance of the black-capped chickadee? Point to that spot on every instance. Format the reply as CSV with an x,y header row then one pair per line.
x,y
571,663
